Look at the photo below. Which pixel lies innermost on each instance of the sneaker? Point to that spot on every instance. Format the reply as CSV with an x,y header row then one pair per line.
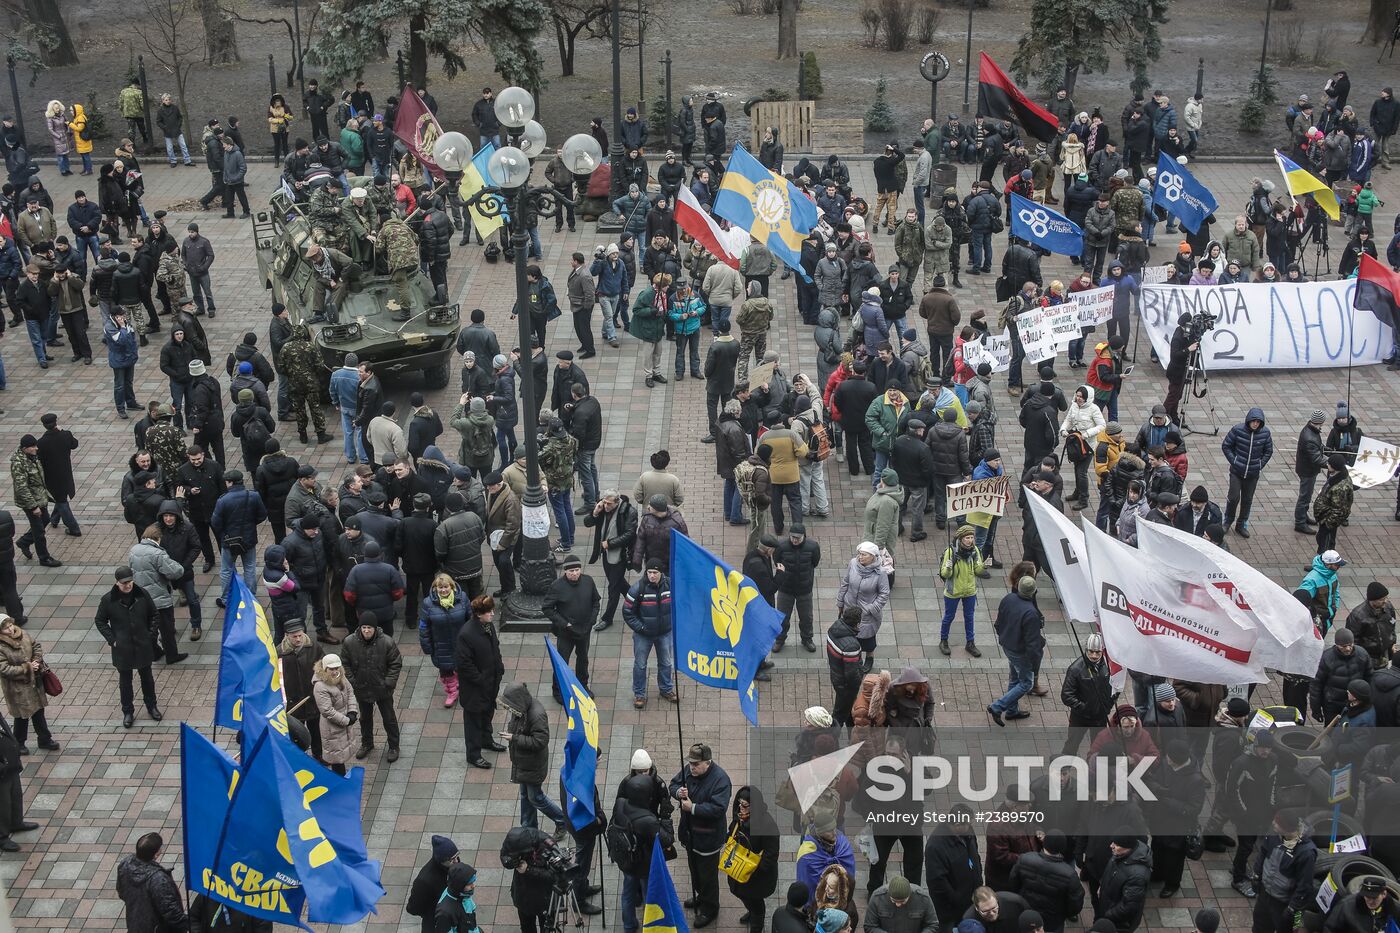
x,y
1244,887
671,697
660,378
943,648
809,645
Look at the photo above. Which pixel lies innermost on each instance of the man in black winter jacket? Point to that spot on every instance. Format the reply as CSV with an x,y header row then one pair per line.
x,y
703,789
953,867
583,418
373,664
571,606
457,542
1338,666
306,553
796,559
1088,693
912,459
1049,882
843,659
374,586
1311,458
1019,265
417,533
614,523
274,479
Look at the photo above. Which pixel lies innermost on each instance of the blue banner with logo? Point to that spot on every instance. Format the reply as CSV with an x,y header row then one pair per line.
x,y
724,627
662,911
580,769
1045,227
250,680
1181,195
772,209
275,834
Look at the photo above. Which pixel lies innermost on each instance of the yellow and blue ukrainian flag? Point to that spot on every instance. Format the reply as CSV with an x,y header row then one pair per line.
x,y
275,833
250,680
767,205
475,176
663,912
1300,181
723,627
578,775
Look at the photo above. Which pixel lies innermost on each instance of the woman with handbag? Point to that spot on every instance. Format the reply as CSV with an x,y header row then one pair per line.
x,y
1079,431
750,856
27,684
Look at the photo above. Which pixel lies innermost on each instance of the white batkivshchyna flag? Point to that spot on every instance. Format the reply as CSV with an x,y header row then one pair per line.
x,y
1289,641
1162,620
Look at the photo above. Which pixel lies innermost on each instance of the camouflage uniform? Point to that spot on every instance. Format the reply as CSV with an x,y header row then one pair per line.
x,y
557,461
300,364
362,221
399,245
382,197
171,274
27,474
327,223
166,442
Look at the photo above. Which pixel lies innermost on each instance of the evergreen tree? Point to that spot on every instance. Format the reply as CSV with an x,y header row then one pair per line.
x,y
880,118
355,33
1079,35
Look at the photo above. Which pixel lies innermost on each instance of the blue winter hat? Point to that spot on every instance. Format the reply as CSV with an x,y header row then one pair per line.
x,y
244,368
443,849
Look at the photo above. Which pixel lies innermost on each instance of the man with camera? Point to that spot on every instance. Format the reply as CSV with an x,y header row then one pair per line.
x,y
703,789
1186,340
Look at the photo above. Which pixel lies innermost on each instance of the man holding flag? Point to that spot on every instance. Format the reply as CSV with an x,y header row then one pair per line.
x,y
703,790
1045,227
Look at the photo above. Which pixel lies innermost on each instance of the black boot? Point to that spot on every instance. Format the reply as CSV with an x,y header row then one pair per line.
x,y
957,282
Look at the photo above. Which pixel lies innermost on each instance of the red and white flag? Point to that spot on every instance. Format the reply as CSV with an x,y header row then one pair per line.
x,y
693,219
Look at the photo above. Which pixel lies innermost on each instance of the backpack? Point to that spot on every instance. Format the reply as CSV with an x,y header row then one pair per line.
x,y
821,442
924,374
492,252
255,435
624,848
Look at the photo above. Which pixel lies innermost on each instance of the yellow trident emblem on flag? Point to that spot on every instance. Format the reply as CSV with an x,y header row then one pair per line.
x,y
728,600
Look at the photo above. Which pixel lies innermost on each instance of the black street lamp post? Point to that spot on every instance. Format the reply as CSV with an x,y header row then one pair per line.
x,y
19,109
610,220
526,207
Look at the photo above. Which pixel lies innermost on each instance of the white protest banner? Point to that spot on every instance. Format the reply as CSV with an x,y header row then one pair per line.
x,y
1289,643
994,350
1063,323
1064,549
1156,275
1095,306
1158,620
1311,325
1376,462
979,495
1355,843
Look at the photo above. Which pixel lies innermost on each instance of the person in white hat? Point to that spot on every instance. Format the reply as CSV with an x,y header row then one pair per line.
x,y
1320,590
338,714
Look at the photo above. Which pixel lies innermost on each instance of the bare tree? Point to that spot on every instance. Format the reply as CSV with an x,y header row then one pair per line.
x,y
219,38
787,29
572,19
1380,21
45,21
309,30
174,36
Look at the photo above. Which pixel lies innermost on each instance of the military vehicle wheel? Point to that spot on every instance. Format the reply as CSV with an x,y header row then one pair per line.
x,y
436,376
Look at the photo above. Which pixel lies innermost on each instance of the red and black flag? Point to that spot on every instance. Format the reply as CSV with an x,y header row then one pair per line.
x,y
999,97
1377,291
418,129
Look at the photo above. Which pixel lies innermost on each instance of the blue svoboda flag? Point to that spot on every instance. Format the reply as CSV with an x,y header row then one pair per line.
x,y
1181,195
723,627
662,912
768,206
1045,227
275,835
250,679
579,772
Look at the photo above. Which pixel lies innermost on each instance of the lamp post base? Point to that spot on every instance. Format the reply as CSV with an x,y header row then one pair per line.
x,y
524,608
611,222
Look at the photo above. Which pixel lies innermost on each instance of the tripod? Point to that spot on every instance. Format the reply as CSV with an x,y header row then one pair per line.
x,y
1389,46
1318,237
563,909
1197,386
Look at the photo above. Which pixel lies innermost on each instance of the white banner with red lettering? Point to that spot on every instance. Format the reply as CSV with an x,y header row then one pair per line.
x,y
1290,642
1158,619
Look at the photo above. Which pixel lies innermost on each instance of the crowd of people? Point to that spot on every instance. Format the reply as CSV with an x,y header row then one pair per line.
x,y
402,536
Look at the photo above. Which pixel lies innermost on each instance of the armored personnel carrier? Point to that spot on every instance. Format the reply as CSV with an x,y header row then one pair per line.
x,y
424,343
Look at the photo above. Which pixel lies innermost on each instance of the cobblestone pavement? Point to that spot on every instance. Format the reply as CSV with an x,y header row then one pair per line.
x,y
108,786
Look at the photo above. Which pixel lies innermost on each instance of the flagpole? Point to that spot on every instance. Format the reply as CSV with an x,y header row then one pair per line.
x,y
602,895
676,679
243,767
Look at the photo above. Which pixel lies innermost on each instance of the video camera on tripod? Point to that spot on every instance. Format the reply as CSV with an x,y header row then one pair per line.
x,y
1201,323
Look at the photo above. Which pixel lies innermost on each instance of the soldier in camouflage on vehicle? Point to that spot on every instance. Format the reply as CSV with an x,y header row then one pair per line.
x,y
362,220
327,221
398,244
300,364
166,442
